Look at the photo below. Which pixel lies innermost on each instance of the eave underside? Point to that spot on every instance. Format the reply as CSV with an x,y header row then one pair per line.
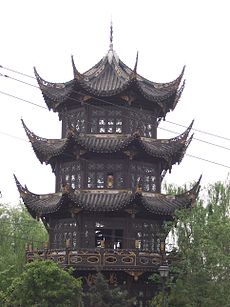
x,y
109,78
106,201
171,150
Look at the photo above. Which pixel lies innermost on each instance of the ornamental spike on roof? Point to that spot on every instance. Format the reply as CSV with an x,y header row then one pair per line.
x,y
135,67
76,73
111,35
170,150
107,200
108,78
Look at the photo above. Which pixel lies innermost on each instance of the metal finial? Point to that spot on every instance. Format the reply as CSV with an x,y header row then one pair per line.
x,y
135,67
111,35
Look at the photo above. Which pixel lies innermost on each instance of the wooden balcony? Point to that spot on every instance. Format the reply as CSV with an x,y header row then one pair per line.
x,y
103,259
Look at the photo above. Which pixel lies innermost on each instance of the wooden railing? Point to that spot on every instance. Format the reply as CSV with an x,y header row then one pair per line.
x,y
106,259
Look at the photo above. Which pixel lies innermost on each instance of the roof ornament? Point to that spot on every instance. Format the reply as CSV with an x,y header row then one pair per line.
x,y
111,54
76,73
111,36
135,66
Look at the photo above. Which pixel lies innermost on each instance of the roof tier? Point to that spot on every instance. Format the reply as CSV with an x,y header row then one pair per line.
x,y
111,77
170,150
107,201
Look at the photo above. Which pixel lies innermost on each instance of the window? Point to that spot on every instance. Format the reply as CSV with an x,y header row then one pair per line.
x,y
143,175
147,236
70,174
104,121
144,122
105,176
75,121
108,238
147,130
96,176
64,233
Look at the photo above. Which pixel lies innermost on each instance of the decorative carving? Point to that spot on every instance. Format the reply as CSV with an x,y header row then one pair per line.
x,y
93,259
135,274
90,279
127,260
128,98
110,181
132,212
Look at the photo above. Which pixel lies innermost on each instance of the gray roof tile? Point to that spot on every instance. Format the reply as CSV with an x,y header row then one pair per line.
x,y
109,77
107,200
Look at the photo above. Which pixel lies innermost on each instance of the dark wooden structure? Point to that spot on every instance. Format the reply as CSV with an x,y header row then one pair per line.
x,y
108,210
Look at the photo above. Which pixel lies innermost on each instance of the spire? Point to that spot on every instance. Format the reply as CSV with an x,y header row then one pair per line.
x,y
135,67
111,36
111,53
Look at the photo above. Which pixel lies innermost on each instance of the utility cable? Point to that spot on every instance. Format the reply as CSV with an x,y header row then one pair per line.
x,y
173,123
26,83
100,108
199,158
163,129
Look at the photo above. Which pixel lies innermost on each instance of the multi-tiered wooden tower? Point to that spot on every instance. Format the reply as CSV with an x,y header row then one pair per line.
x,y
107,211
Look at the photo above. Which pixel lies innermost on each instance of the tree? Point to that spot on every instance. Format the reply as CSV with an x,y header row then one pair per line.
x,y
17,228
202,276
44,284
100,295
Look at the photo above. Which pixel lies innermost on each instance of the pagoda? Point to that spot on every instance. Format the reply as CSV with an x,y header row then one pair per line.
x,y
107,212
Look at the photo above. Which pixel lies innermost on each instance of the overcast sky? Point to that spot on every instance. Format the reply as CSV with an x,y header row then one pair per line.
x,y
167,34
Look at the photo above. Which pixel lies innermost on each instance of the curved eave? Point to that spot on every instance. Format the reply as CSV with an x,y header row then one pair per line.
x,y
172,150
155,147
54,93
110,77
162,204
173,85
106,79
102,201
39,205
107,201
45,149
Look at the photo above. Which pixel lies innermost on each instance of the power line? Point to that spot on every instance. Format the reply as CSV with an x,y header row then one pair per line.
x,y
13,136
200,131
22,99
173,123
199,140
13,96
100,108
199,158
209,161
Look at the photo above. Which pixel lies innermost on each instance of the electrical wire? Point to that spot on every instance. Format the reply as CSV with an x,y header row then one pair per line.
x,y
199,158
35,86
173,123
100,108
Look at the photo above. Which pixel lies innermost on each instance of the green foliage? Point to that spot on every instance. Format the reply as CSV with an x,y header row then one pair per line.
x,y
16,229
202,274
44,284
100,295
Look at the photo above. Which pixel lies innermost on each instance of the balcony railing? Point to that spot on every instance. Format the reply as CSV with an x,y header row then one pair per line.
x,y
105,259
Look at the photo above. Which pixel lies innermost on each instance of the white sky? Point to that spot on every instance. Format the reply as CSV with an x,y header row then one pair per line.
x,y
167,34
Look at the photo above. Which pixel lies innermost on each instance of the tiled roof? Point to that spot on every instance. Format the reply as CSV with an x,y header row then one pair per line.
x,y
171,150
109,77
107,200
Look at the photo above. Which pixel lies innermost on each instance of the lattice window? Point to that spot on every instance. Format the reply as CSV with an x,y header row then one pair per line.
x,y
70,174
104,121
148,128
105,175
143,175
75,121
65,233
143,122
147,236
